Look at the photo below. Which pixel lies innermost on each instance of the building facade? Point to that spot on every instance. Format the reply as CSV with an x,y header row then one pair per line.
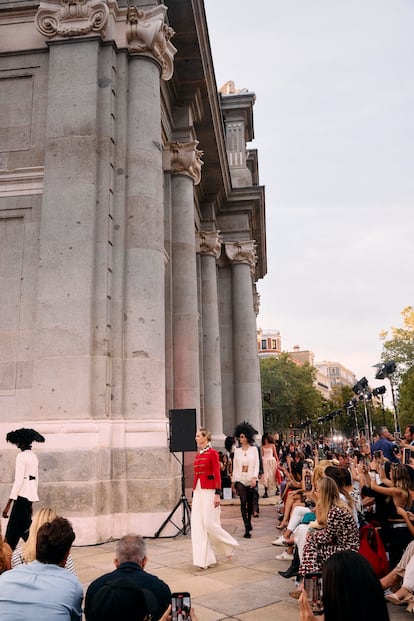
x,y
132,237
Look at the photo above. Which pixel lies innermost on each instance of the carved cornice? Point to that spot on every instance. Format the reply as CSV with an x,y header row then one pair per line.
x,y
71,18
186,159
147,33
242,252
209,243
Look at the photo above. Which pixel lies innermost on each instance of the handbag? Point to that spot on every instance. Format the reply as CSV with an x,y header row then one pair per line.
x,y
372,548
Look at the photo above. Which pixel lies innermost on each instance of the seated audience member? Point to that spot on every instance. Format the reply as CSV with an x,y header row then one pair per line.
x,y
124,600
44,590
130,561
334,531
351,591
27,552
5,555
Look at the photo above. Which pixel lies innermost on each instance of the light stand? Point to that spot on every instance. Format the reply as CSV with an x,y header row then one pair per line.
x,y
361,389
186,511
385,370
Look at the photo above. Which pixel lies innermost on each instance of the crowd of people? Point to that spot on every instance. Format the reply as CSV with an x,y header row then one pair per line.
x,y
328,494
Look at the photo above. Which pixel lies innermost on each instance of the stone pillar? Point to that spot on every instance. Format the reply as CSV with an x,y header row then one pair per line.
x,y
246,361
186,172
144,355
209,247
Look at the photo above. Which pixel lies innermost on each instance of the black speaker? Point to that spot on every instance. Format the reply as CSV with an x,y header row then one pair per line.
x,y
182,431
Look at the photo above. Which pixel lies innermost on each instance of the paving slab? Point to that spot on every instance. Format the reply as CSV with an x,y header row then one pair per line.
x,y
248,588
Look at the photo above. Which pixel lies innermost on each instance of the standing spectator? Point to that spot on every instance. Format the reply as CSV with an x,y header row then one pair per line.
x,y
43,590
130,561
24,490
386,444
246,472
206,530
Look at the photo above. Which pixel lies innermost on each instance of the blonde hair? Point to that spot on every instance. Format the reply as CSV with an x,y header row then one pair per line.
x,y
328,498
4,557
47,514
206,433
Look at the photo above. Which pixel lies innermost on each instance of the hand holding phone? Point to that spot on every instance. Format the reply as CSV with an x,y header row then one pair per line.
x,y
180,606
314,589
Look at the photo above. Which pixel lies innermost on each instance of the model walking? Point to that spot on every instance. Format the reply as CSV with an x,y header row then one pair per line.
x,y
24,490
246,472
206,530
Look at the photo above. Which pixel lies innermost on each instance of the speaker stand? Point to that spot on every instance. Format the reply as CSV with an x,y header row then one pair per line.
x,y
185,510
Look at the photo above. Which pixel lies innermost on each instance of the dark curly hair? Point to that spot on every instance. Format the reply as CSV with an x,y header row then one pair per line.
x,y
24,436
246,429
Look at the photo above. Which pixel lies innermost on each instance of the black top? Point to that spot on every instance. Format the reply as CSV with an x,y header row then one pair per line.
x,y
132,571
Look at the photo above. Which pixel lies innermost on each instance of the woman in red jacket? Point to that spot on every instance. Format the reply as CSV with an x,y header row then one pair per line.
x,y
206,530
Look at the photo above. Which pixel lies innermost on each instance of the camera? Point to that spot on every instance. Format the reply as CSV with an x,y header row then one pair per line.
x,y
313,587
180,606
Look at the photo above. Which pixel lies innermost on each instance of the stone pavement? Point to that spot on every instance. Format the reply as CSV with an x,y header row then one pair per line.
x,y
246,589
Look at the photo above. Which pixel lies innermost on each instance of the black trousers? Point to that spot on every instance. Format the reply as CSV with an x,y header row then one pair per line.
x,y
19,521
246,494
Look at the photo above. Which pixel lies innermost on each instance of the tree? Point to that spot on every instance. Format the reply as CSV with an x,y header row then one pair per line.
x,y
289,394
398,346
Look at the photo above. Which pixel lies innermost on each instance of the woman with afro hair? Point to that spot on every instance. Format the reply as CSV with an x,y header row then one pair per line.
x,y
24,490
246,472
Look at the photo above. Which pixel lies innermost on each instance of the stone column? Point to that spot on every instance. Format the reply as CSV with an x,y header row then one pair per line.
x,y
209,248
246,361
144,354
186,172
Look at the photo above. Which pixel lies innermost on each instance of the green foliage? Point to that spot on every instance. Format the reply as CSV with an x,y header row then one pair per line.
x,y
289,396
398,346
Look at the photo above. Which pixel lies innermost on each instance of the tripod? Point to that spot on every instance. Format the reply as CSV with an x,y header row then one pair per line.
x,y
186,511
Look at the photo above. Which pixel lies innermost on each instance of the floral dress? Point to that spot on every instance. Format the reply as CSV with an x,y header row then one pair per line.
x,y
340,533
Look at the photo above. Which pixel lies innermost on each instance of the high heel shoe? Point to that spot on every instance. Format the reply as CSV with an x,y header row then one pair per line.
x,y
291,572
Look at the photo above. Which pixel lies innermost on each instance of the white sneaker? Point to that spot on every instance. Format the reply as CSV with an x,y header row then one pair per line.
x,y
285,556
280,541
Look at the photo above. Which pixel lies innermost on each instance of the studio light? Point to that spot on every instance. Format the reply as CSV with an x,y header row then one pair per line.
x,y
379,391
385,369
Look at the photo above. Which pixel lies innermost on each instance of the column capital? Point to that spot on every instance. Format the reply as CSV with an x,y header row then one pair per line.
x,y
186,159
71,18
209,243
242,252
148,34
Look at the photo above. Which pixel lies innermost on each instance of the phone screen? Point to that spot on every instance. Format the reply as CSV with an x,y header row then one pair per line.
x,y
180,606
313,588
406,456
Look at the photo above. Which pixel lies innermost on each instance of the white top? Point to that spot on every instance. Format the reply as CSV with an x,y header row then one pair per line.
x,y
26,477
245,465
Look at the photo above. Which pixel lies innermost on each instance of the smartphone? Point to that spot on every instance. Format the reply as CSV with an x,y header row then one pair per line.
x,y
377,454
180,606
314,589
397,435
406,456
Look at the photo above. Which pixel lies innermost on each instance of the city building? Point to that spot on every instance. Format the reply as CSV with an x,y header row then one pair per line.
x,y
336,374
132,239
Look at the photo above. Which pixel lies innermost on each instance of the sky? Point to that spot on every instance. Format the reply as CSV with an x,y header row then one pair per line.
x,y
334,129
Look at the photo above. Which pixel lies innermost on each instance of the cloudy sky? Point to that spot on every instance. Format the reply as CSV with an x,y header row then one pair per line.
x,y
334,127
